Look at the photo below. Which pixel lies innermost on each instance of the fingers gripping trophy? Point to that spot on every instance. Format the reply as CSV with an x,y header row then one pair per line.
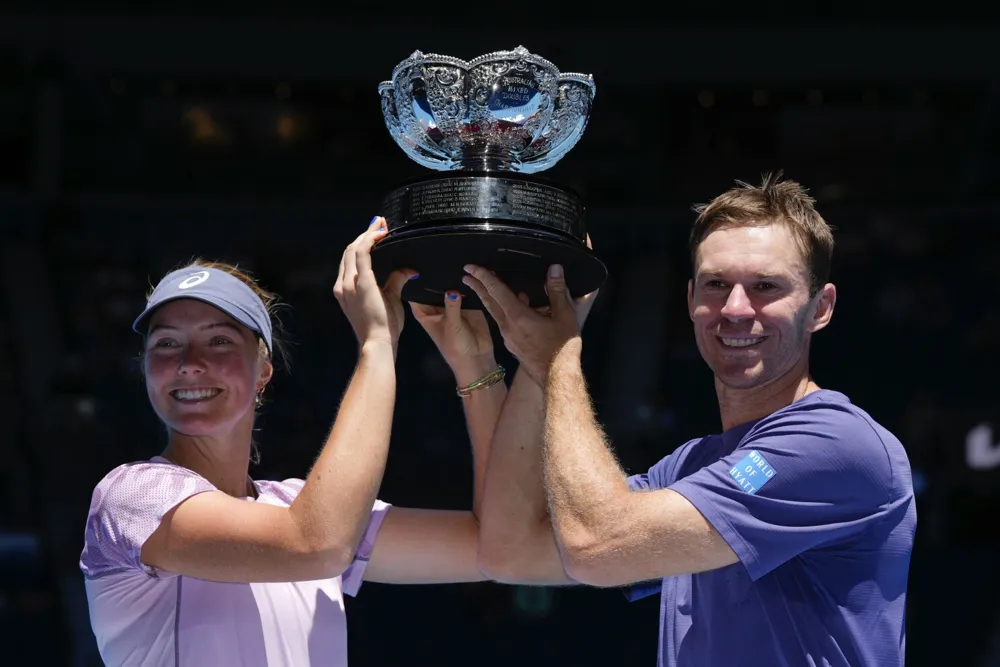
x,y
486,127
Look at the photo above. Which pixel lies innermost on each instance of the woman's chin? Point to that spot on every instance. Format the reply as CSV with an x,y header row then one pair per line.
x,y
204,423
199,427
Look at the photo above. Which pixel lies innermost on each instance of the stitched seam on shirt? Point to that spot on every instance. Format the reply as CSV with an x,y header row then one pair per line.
x,y
885,449
177,625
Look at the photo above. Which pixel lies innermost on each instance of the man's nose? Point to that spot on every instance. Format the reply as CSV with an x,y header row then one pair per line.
x,y
738,306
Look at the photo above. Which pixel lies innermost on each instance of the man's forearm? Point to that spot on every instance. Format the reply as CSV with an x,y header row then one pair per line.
x,y
584,482
482,412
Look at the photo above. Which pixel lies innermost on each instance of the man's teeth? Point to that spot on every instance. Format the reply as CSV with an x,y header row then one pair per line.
x,y
195,394
741,342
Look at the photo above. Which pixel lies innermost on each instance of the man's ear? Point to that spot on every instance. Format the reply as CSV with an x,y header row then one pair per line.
x,y
823,304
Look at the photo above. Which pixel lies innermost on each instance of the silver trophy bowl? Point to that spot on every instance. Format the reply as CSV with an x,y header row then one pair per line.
x,y
489,124
508,111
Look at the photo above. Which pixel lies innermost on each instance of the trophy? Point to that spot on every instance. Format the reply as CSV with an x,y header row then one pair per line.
x,y
486,126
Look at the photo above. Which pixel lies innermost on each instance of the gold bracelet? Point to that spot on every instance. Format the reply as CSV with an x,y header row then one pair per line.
x,y
484,382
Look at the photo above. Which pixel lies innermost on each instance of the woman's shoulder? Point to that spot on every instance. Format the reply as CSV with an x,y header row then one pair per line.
x,y
137,478
126,507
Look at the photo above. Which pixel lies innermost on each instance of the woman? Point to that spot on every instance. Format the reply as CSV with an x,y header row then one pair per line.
x,y
189,561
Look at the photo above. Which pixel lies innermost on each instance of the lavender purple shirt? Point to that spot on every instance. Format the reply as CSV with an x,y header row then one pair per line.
x,y
146,616
816,501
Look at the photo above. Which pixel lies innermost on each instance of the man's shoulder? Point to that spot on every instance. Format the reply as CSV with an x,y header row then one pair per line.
x,y
828,433
832,412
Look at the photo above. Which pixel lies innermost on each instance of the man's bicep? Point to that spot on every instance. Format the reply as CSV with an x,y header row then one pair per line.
x,y
661,534
677,529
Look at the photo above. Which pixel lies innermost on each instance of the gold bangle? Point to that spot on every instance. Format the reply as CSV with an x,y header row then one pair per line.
x,y
484,382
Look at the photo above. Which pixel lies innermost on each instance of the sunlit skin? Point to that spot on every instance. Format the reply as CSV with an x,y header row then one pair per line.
x,y
194,347
754,319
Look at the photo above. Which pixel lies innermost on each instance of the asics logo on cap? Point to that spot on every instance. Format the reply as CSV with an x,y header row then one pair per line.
x,y
193,279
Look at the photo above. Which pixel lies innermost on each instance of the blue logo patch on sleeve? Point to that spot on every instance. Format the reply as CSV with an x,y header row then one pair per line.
x,y
752,472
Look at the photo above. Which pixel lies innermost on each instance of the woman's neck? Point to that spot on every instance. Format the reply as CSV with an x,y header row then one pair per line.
x,y
225,463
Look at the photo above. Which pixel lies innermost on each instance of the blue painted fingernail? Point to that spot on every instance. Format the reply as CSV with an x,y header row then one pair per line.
x,y
415,275
373,221
452,296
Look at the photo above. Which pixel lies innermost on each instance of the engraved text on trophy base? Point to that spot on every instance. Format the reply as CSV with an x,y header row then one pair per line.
x,y
478,197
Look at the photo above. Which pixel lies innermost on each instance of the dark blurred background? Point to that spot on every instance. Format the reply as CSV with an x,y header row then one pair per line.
x,y
135,138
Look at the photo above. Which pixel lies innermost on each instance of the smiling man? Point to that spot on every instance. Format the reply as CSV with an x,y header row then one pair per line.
x,y
783,540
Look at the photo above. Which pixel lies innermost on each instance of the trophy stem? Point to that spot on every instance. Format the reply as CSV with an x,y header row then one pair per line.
x,y
498,160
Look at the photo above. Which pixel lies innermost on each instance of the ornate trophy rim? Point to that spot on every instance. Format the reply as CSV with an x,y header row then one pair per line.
x,y
519,52
427,59
578,77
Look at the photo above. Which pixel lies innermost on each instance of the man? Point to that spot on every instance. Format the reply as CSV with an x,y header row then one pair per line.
x,y
784,540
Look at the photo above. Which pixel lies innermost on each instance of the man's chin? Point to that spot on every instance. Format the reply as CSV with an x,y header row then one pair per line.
x,y
744,378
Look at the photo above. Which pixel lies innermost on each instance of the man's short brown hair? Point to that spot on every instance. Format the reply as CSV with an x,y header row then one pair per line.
x,y
773,201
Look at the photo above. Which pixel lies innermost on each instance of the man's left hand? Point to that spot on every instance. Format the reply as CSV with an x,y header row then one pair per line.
x,y
534,337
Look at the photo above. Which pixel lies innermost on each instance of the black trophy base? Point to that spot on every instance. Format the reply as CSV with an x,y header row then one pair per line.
x,y
519,254
512,224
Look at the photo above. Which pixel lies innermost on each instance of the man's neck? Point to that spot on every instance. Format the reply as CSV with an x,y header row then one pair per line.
x,y
224,462
740,406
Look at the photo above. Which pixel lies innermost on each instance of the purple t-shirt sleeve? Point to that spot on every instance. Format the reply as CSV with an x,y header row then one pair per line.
x,y
126,508
801,479
639,482
353,575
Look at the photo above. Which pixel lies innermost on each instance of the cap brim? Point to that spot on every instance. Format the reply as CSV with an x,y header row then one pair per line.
x,y
141,323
